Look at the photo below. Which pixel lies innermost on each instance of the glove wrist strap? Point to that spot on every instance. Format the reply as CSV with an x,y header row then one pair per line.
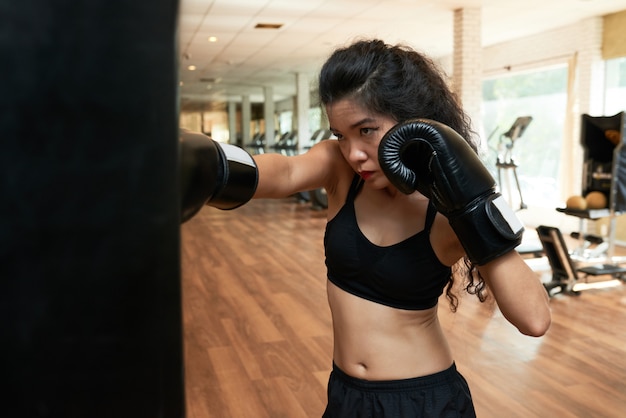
x,y
487,229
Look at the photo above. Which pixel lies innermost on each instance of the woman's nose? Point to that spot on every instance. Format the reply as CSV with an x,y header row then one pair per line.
x,y
357,154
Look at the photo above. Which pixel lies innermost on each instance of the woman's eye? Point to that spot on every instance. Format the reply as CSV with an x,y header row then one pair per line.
x,y
368,131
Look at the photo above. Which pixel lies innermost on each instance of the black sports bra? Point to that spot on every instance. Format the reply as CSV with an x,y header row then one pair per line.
x,y
406,275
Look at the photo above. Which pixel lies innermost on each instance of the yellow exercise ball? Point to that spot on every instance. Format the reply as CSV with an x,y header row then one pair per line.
x,y
596,200
576,202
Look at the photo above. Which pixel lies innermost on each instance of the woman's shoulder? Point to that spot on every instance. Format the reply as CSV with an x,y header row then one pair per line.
x,y
329,146
328,150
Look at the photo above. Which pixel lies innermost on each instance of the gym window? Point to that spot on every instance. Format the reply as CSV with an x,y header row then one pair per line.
x,y
541,94
615,91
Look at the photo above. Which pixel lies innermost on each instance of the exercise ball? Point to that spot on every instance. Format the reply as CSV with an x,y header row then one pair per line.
x,y
596,200
576,202
613,136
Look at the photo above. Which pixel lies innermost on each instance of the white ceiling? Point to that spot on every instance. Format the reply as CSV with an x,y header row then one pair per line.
x,y
244,60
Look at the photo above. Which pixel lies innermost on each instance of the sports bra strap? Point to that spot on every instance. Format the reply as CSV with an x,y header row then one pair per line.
x,y
430,216
355,186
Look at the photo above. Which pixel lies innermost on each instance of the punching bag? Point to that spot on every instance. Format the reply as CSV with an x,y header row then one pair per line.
x,y
90,293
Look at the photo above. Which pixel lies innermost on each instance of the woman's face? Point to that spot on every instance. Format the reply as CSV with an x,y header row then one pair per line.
x,y
359,132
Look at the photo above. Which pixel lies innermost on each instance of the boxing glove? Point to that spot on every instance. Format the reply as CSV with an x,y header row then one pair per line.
x,y
435,160
215,174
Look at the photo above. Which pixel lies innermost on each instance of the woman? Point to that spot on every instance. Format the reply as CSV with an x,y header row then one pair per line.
x,y
390,355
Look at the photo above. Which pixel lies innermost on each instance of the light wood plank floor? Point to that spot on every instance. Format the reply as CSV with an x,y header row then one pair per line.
x,y
258,337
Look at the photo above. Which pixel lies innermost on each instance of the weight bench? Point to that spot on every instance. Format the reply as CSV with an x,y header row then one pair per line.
x,y
565,272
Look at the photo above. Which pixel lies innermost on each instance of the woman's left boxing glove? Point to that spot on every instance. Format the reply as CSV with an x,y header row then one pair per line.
x,y
215,174
432,158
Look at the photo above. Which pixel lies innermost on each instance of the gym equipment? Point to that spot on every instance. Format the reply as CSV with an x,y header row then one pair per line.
x,y
257,143
604,170
317,136
90,277
576,202
596,200
215,174
287,144
505,161
593,239
432,158
566,272
317,197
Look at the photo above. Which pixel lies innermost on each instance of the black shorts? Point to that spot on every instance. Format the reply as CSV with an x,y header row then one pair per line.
x,y
443,394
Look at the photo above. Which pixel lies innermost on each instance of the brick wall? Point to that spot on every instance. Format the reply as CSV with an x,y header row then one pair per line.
x,y
467,61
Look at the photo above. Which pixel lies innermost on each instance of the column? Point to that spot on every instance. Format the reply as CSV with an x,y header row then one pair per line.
x,y
232,123
467,62
268,115
585,95
303,100
591,68
246,117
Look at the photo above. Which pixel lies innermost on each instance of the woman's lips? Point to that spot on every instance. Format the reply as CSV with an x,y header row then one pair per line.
x,y
366,174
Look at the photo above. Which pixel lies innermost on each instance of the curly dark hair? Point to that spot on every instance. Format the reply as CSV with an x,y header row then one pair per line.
x,y
398,81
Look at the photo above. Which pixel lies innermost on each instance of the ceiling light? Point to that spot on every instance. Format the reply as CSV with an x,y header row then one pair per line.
x,y
192,68
212,38
268,26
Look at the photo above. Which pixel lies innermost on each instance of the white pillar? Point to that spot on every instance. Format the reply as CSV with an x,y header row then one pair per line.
x,y
246,118
591,67
232,123
303,99
268,114
585,95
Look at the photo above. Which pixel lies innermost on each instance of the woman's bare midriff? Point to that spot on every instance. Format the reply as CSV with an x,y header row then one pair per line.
x,y
377,342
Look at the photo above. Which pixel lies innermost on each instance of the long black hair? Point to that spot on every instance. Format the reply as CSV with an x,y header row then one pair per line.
x,y
398,81
392,80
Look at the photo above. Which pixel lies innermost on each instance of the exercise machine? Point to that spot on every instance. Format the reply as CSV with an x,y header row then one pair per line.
x,y
566,272
317,197
287,144
505,154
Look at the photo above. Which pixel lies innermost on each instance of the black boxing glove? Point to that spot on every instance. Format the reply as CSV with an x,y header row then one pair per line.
x,y
212,173
435,160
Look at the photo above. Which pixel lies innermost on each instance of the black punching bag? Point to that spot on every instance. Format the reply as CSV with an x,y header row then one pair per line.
x,y
90,295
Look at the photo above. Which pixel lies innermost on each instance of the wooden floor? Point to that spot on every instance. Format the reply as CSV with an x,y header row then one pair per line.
x,y
258,337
